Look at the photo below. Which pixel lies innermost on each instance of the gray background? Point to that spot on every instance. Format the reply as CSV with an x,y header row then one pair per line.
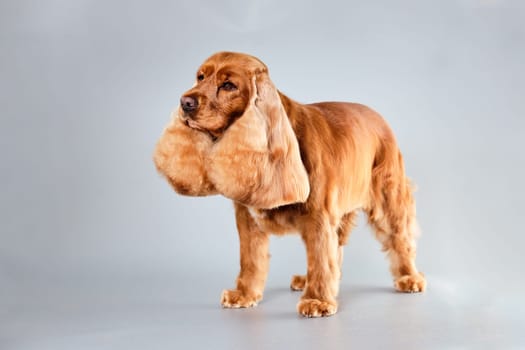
x,y
98,253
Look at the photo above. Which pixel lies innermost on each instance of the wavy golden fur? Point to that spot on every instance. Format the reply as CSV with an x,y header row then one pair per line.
x,y
290,167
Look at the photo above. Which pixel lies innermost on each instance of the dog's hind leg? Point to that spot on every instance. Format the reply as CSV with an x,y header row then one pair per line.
x,y
392,214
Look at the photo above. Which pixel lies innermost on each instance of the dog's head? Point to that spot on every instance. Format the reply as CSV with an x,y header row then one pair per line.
x,y
221,92
252,155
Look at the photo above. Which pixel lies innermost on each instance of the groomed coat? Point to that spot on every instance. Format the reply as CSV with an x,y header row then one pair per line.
x,y
290,167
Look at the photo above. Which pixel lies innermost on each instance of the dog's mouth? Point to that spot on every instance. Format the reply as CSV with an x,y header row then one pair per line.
x,y
194,125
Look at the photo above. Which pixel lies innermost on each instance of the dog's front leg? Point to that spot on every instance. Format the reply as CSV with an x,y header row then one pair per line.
x,y
254,263
322,278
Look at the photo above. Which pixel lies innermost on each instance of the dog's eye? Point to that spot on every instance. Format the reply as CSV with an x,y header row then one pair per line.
x,y
228,86
200,77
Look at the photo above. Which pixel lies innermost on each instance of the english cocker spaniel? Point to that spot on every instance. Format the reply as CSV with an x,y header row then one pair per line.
x,y
290,167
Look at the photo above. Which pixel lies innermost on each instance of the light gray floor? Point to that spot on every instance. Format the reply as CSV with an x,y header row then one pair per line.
x,y
96,251
147,310
159,313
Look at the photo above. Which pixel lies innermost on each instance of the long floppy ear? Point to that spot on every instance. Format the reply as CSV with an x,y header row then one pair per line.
x,y
257,161
180,156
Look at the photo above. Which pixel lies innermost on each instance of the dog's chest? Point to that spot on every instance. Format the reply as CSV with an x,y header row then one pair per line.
x,y
279,221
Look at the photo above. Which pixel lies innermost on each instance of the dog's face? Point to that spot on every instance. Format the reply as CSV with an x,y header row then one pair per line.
x,y
253,155
221,93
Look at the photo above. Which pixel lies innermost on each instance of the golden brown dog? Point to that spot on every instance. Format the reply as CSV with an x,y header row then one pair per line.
x,y
290,167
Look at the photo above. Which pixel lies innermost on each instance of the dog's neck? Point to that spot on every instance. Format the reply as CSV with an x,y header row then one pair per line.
x,y
294,110
289,105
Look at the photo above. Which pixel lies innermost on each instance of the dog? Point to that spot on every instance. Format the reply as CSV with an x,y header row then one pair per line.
x,y
290,167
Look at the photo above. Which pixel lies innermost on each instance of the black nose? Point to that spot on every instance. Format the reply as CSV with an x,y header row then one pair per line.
x,y
188,104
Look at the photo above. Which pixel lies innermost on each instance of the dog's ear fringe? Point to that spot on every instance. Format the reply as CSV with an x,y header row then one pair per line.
x,y
180,156
256,162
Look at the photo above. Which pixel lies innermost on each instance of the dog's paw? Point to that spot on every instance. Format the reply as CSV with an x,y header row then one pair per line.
x,y
411,283
316,308
298,282
235,299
